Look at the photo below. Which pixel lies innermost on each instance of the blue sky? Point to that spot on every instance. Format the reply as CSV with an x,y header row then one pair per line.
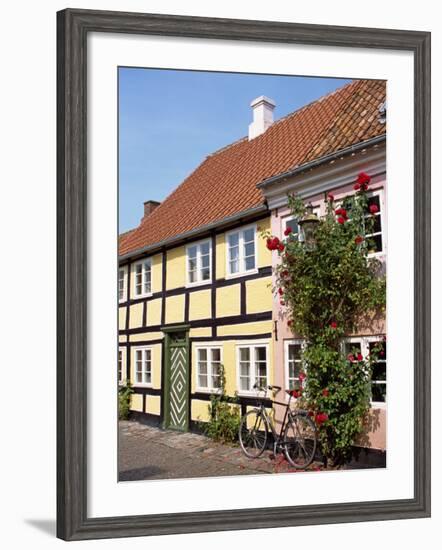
x,y
169,121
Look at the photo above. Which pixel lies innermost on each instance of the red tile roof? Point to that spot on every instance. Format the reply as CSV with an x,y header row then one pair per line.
x,y
224,184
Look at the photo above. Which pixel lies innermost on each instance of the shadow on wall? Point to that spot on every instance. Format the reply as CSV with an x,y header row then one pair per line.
x,y
370,425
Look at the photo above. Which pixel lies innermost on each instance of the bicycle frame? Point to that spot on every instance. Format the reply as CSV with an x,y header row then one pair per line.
x,y
277,438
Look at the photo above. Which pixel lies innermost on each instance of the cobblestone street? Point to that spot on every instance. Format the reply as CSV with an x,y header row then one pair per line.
x,y
151,453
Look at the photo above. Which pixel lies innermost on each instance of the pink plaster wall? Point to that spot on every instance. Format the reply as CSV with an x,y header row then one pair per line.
x,y
374,435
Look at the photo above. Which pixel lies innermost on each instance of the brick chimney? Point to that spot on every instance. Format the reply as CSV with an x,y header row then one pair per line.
x,y
262,116
149,207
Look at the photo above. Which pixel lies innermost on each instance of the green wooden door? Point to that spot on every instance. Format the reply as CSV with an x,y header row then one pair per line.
x,y
177,387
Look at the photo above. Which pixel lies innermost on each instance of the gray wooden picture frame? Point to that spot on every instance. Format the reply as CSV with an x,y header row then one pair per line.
x,y
73,27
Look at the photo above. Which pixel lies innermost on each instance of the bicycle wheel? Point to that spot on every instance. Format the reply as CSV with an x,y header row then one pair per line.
x,y
300,440
253,433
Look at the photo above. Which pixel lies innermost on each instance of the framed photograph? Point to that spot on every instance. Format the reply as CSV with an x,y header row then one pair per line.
x,y
243,235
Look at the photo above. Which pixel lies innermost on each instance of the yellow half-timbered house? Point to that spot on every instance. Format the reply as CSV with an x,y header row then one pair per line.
x,y
195,277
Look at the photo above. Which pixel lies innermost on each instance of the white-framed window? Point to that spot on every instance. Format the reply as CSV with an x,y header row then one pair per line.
x,y
293,362
121,284
208,368
252,366
143,366
199,263
241,251
292,223
143,278
364,345
121,365
377,237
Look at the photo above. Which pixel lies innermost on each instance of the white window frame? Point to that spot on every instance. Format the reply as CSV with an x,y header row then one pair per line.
x,y
251,345
285,219
142,349
208,347
365,341
142,294
241,259
124,270
199,281
287,343
123,366
381,194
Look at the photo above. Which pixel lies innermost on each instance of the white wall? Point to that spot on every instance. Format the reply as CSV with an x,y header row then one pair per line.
x,y
27,217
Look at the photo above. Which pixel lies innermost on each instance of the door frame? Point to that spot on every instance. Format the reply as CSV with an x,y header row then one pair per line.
x,y
167,365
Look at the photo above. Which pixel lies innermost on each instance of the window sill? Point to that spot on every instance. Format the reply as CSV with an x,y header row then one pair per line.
x,y
208,391
242,274
148,295
142,385
199,283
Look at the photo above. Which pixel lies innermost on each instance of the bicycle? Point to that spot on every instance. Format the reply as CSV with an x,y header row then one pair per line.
x,y
297,437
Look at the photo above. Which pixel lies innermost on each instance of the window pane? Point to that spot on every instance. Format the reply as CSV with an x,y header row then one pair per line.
x,y
378,392
192,276
375,243
234,266
250,263
261,354
233,240
192,264
205,274
379,371
216,354
373,200
244,354
294,352
249,235
202,380
191,252
249,249
205,261
202,354
234,253
205,248
244,383
293,224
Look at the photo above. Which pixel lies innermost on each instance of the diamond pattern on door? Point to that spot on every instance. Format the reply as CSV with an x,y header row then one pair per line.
x,y
178,388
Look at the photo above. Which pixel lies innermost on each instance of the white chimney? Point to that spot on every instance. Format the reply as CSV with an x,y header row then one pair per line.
x,y
262,116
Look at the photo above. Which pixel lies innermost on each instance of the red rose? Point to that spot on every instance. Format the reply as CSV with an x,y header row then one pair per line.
x,y
272,243
288,231
296,393
302,376
351,357
363,178
356,186
359,356
311,413
343,212
325,392
289,323
341,220
284,273
334,324
359,239
281,247
331,197
338,211
280,291
282,303
321,417
373,208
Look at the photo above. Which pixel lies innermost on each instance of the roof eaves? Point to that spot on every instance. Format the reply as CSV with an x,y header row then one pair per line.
x,y
261,208
321,160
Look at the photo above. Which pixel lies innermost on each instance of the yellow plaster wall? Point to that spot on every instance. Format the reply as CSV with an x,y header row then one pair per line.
x,y
200,305
136,315
199,410
153,404
176,268
122,318
245,328
142,336
200,332
122,338
136,402
175,309
157,273
264,255
228,300
220,256
153,317
259,295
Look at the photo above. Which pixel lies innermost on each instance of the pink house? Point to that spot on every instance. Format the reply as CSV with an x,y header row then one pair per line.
x,y
336,174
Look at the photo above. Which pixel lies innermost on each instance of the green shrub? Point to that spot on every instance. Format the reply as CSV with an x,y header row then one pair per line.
x,y
124,399
224,415
326,290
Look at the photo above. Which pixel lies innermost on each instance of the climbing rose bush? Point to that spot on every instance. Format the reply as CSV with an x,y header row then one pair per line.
x,y
326,292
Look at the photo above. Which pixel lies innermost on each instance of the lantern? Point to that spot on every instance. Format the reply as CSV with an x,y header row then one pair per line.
x,y
308,224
